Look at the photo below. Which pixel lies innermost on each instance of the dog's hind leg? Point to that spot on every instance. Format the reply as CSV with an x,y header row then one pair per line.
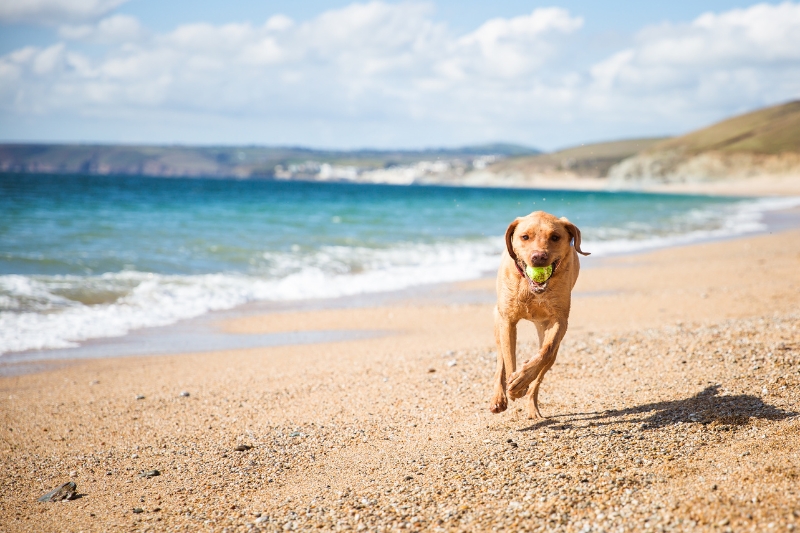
x,y
519,382
533,393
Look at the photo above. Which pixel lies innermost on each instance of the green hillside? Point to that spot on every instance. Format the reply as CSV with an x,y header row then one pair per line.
x,y
772,130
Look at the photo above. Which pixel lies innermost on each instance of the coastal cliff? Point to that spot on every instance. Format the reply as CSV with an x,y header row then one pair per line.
x,y
757,145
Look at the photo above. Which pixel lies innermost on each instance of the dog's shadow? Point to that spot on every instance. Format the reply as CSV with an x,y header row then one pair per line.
x,y
705,407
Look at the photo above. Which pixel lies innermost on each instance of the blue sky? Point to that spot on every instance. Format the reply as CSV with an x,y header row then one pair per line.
x,y
387,74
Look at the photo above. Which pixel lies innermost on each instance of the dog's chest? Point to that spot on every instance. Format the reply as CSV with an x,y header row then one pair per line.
x,y
534,306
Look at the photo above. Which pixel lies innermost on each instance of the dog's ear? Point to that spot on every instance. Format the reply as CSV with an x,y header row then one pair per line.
x,y
509,237
575,233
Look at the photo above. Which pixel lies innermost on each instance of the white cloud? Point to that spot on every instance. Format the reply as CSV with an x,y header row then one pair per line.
x,y
513,47
111,30
55,12
751,56
378,73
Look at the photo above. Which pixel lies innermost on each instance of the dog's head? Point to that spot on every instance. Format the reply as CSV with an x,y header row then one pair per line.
x,y
540,240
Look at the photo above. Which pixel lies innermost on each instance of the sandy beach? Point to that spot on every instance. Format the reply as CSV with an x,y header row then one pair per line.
x,y
673,406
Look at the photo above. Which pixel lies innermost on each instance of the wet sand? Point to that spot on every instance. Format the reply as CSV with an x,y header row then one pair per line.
x,y
673,407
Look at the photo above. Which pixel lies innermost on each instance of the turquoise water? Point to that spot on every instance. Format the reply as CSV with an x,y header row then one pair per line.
x,y
88,256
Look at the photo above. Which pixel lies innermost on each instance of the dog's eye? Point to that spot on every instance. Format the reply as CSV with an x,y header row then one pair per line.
x,y
555,237
524,237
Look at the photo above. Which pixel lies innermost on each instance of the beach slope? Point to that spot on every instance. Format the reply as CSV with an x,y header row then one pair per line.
x,y
673,406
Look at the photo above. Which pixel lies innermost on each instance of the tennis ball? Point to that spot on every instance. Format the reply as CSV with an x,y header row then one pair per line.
x,y
539,274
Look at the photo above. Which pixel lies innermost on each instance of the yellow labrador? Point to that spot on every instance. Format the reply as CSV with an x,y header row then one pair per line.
x,y
537,240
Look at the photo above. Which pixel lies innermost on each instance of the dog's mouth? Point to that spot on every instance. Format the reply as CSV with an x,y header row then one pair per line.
x,y
539,287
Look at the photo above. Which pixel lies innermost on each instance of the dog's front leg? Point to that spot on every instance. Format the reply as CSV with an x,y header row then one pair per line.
x,y
519,382
505,334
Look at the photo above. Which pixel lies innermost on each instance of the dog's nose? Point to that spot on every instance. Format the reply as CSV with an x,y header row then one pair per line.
x,y
539,259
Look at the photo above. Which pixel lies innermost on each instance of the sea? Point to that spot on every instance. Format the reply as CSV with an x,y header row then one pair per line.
x,y
86,257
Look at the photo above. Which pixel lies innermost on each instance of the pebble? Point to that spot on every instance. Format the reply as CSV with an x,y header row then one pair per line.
x,y
242,448
140,396
65,492
185,394
138,510
150,473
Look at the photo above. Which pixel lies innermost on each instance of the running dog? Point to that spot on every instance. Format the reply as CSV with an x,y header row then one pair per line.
x,y
537,240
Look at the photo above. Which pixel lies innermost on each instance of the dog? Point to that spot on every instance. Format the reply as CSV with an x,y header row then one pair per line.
x,y
537,240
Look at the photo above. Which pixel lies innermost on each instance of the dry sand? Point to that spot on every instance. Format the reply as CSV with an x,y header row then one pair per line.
x,y
673,405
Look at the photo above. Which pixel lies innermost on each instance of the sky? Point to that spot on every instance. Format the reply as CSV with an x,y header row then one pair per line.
x,y
384,74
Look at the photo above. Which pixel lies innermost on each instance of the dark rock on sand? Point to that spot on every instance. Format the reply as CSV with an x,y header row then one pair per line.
x,y
65,492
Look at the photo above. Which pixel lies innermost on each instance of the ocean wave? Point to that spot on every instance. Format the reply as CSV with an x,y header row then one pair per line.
x,y
30,321
697,225
42,312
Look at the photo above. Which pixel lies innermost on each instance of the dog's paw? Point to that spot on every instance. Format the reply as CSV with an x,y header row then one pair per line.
x,y
519,383
498,404
534,413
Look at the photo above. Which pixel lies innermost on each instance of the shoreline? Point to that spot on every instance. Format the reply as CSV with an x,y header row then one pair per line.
x,y
758,186
762,185
670,401
190,335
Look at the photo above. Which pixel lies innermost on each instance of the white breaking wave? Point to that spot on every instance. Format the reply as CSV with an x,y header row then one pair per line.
x,y
53,321
738,219
37,312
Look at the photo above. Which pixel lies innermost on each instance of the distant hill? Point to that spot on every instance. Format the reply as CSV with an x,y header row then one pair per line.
x,y
772,130
761,143
587,160
217,161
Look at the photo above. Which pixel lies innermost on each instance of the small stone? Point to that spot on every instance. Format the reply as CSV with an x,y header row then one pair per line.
x,y
73,473
149,474
185,394
724,522
137,510
67,491
431,370
452,363
408,478
262,519
140,396
242,448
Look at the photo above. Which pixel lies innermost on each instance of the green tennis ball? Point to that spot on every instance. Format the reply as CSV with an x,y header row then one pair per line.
x,y
539,274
